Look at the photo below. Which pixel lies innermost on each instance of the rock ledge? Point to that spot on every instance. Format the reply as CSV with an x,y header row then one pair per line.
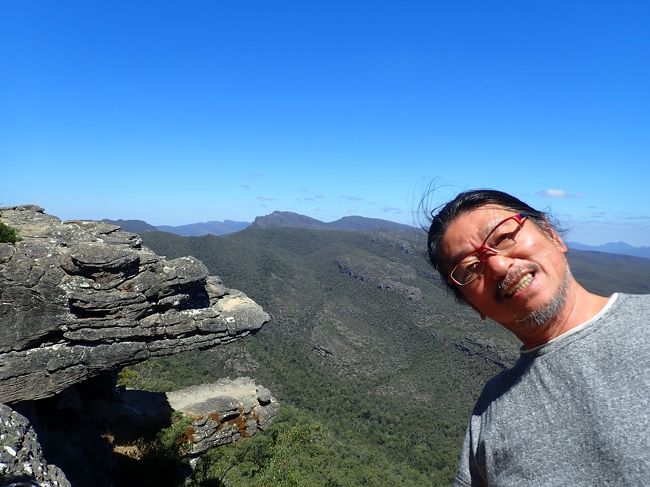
x,y
224,411
81,297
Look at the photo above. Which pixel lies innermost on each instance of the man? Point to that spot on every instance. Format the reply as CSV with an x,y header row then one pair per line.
x,y
575,408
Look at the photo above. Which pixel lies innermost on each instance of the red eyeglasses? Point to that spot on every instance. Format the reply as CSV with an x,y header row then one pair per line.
x,y
500,239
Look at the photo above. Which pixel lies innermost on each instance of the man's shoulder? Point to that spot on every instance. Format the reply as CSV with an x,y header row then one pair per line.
x,y
630,308
634,300
499,385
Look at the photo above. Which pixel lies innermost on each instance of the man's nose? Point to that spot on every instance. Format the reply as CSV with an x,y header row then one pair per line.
x,y
496,266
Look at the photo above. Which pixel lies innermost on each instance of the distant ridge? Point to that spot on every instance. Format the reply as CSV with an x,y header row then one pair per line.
x,y
613,248
205,228
350,223
288,219
363,223
135,226
190,230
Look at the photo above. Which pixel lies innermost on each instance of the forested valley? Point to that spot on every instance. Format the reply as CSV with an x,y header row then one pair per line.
x,y
375,366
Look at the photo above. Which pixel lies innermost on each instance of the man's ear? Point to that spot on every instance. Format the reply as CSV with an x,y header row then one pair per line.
x,y
557,240
554,237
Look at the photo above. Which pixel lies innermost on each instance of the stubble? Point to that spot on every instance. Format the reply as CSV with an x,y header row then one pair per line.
x,y
551,310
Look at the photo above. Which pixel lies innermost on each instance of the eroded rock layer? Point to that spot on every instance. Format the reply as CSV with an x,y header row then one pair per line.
x,y
81,297
224,411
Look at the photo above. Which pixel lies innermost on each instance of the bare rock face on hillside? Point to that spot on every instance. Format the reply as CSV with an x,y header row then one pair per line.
x,y
81,297
384,274
224,411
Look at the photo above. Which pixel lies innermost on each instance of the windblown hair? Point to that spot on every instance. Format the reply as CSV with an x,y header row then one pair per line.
x,y
466,201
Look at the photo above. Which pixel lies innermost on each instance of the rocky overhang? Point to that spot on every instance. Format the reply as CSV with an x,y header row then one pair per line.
x,y
78,298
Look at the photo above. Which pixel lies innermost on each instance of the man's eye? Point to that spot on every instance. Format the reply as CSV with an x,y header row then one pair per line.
x,y
502,240
471,268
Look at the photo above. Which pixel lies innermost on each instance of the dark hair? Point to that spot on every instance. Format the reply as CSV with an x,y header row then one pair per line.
x,y
463,203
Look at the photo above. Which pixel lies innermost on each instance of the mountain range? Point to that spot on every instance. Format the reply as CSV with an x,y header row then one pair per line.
x,y
275,219
205,228
289,219
613,248
191,230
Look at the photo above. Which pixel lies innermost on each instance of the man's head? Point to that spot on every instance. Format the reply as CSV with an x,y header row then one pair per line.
x,y
501,256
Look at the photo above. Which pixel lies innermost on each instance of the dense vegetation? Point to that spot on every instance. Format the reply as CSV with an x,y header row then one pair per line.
x,y
375,383
8,234
299,451
296,451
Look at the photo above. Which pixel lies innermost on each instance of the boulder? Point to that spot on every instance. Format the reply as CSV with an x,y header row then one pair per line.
x,y
224,411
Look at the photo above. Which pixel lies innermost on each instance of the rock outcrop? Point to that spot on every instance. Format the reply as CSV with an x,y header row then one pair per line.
x,y
81,297
78,301
385,275
224,411
491,350
21,457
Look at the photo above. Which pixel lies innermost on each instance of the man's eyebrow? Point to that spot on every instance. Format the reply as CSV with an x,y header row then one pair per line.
x,y
456,258
487,228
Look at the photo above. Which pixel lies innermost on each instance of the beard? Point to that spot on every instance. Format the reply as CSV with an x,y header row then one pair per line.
x,y
550,310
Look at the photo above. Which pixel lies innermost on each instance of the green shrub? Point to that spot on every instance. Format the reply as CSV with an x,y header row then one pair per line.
x,y
127,377
177,438
8,234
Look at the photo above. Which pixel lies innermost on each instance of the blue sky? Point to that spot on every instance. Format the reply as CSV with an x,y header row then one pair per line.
x,y
179,112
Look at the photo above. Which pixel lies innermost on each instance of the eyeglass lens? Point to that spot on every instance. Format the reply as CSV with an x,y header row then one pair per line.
x,y
501,238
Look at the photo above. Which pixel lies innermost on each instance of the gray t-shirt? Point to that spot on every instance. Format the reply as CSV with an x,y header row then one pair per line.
x,y
575,412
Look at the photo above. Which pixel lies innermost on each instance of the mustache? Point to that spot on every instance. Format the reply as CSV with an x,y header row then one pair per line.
x,y
513,276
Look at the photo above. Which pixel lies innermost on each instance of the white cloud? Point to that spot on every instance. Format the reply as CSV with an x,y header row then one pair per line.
x,y
557,193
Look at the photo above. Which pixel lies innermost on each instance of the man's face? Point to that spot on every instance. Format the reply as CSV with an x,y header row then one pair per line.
x,y
520,287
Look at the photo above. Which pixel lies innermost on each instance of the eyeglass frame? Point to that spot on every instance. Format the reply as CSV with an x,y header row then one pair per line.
x,y
483,251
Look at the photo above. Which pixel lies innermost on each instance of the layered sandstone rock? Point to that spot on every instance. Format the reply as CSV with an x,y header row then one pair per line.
x,y
224,411
81,297
80,300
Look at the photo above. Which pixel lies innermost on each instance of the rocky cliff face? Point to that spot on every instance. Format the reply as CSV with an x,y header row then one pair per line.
x,y
80,297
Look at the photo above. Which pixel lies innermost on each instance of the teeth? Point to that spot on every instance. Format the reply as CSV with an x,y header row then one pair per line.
x,y
523,283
